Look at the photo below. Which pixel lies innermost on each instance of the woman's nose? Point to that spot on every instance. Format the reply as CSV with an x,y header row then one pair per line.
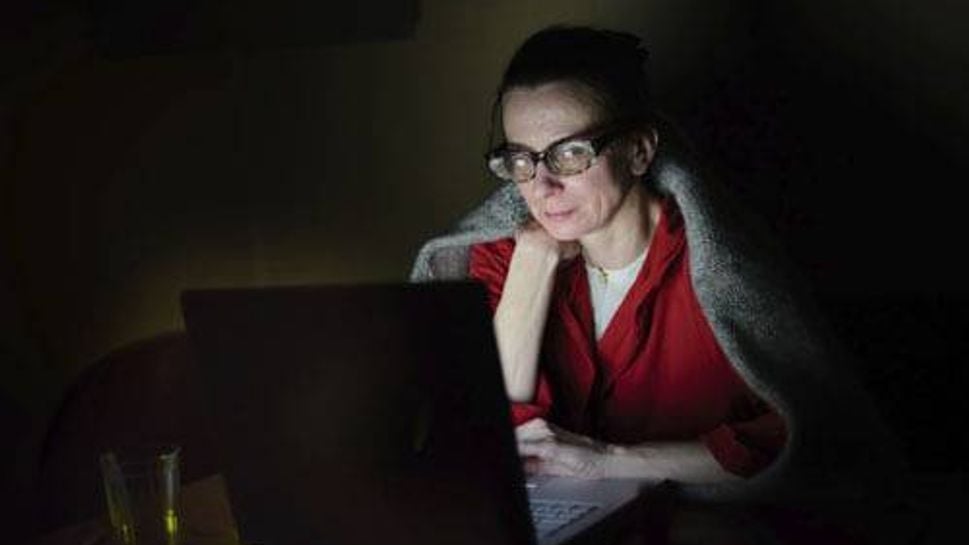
x,y
545,183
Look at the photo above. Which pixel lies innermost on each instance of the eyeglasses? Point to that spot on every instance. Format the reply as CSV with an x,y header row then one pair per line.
x,y
566,157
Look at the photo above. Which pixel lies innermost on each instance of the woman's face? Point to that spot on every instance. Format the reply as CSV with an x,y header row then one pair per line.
x,y
568,207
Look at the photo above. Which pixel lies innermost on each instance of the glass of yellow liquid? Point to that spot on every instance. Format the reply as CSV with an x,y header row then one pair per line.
x,y
141,487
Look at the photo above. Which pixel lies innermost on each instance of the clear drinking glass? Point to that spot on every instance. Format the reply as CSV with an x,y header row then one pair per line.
x,y
141,486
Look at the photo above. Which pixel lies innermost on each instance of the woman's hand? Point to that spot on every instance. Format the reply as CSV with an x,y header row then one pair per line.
x,y
548,449
532,237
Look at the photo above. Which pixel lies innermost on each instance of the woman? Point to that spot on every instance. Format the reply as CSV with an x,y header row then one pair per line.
x,y
642,331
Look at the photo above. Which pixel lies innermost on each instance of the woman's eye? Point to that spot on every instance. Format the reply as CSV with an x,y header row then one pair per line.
x,y
572,152
519,162
518,165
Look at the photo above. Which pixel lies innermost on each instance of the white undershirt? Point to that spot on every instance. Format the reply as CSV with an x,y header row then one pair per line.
x,y
608,291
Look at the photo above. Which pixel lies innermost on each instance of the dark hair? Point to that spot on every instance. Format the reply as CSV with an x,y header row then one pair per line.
x,y
610,63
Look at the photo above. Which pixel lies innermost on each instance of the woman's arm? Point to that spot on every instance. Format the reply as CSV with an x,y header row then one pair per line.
x,y
522,311
681,461
553,450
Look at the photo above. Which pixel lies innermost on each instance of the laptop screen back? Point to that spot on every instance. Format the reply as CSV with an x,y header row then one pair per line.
x,y
361,414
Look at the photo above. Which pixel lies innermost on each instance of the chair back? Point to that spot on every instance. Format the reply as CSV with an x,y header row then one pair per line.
x,y
145,392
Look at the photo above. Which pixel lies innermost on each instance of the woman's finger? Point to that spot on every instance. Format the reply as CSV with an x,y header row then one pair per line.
x,y
575,439
534,430
544,450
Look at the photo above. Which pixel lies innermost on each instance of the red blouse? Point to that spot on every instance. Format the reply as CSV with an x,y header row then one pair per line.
x,y
657,373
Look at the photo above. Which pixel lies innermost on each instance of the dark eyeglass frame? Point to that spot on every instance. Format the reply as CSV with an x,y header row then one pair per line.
x,y
598,144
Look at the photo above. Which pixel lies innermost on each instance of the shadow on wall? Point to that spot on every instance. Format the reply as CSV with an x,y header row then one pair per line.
x,y
123,29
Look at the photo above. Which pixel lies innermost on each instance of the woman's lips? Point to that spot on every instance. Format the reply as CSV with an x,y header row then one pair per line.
x,y
558,216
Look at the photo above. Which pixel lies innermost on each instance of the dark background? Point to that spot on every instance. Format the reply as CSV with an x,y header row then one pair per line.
x,y
186,144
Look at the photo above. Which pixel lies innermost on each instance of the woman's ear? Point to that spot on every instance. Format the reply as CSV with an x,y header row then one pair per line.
x,y
643,150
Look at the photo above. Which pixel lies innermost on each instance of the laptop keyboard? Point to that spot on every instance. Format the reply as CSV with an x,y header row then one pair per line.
x,y
549,516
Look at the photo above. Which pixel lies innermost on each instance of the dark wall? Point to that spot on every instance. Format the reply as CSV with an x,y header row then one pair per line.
x,y
844,123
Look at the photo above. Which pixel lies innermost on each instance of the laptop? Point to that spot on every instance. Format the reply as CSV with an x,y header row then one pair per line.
x,y
377,414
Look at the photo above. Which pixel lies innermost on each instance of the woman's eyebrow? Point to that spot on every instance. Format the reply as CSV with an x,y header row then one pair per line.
x,y
585,133
517,146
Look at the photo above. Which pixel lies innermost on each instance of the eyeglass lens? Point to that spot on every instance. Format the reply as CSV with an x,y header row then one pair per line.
x,y
567,158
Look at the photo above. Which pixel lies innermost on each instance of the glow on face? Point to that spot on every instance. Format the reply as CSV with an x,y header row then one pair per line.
x,y
568,207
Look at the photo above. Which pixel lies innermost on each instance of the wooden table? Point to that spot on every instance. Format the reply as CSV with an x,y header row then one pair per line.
x,y
206,520
935,506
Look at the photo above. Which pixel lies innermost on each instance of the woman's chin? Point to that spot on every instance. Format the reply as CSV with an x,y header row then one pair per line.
x,y
563,233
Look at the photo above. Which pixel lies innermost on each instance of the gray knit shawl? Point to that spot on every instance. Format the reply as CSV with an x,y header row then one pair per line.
x,y
769,330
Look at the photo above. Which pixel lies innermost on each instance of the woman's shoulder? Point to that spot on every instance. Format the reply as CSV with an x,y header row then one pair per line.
x,y
498,249
490,259
670,211
488,263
